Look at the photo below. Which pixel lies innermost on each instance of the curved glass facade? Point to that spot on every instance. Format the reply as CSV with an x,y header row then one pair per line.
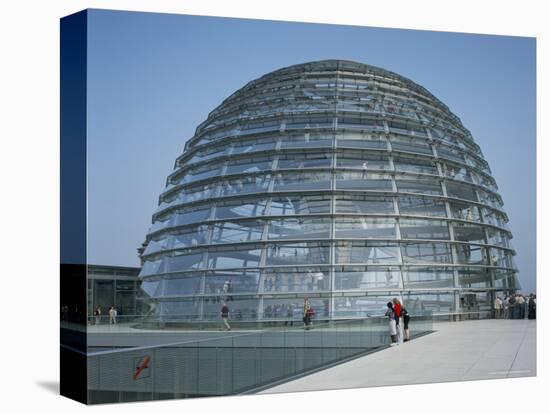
x,y
332,180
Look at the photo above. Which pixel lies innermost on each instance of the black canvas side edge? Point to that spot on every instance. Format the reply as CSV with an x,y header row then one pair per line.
x,y
73,281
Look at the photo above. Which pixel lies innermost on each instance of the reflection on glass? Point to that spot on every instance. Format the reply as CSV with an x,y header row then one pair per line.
x,y
365,227
304,160
299,204
238,231
239,257
302,181
419,185
297,253
240,208
353,278
366,181
296,280
299,228
424,229
428,278
422,206
367,252
364,204
426,252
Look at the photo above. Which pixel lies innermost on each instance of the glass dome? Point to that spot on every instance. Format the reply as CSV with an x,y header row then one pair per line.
x,y
334,181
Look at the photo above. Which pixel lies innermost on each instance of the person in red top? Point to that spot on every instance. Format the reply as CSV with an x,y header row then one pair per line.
x,y
397,310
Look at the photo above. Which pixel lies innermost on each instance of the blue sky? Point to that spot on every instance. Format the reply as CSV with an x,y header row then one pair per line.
x,y
152,78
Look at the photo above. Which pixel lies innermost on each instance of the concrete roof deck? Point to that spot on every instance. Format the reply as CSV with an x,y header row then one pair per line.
x,y
457,351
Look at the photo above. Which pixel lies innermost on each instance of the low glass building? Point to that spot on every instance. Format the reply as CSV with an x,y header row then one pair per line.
x,y
334,181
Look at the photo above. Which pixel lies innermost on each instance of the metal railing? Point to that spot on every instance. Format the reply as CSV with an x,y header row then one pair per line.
x,y
235,362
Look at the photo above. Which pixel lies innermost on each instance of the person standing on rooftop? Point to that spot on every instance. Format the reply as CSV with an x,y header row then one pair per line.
x,y
397,310
225,315
390,313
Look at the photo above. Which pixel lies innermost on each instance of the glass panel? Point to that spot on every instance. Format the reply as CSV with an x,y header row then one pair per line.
x,y
426,252
471,254
365,227
399,126
310,122
489,199
180,310
476,304
477,163
240,208
198,173
356,139
415,165
462,191
410,145
307,140
257,126
398,107
360,306
363,181
151,287
419,185
160,224
501,258
223,283
422,206
249,165
450,153
505,279
497,237
208,153
349,120
352,278
424,229
189,217
302,181
189,237
464,211
254,145
297,253
239,309
189,195
474,278
299,228
367,252
296,280
493,217
183,262
182,286
293,308
457,172
156,246
427,278
468,232
248,184
436,302
304,160
151,267
234,258
485,181
363,160
295,205
364,204
238,231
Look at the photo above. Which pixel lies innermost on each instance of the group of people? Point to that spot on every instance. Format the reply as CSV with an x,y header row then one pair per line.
x,y
113,312
398,322
516,306
308,316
